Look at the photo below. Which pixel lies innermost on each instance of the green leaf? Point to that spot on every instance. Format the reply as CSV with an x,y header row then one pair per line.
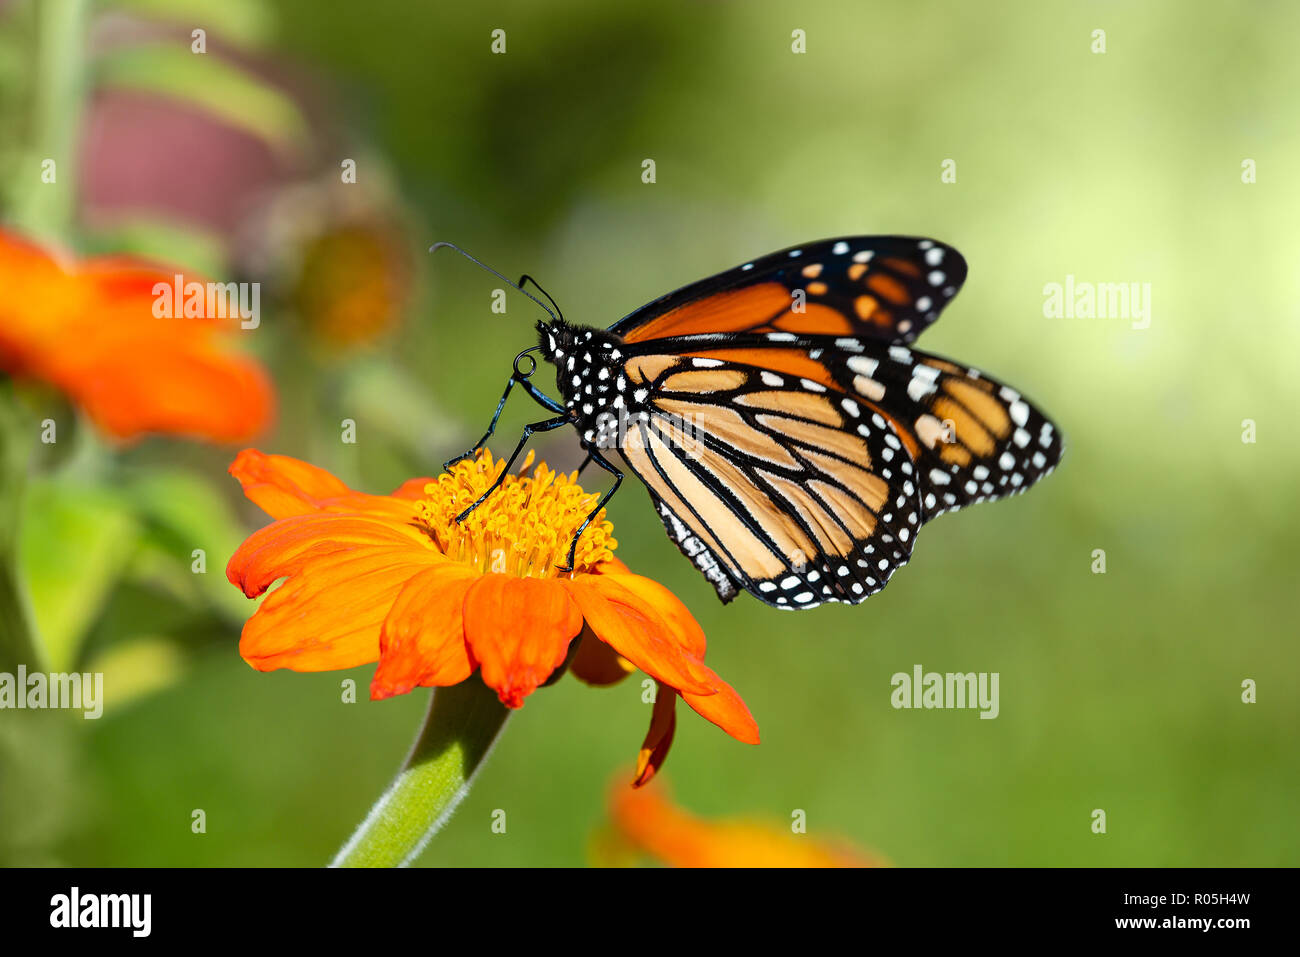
x,y
215,85
182,513
73,546
138,667
199,249
246,22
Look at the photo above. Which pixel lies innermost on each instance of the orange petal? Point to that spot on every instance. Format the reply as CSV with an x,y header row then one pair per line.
x,y
283,486
519,630
684,627
652,823
24,257
611,566
638,632
285,547
654,750
657,826
597,663
91,330
343,574
173,381
727,711
422,641
411,489
328,617
37,291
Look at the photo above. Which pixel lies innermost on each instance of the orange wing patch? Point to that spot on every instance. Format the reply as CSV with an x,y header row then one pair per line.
x,y
991,413
805,404
767,307
705,380
793,362
815,320
737,311
887,287
727,426
753,556
645,369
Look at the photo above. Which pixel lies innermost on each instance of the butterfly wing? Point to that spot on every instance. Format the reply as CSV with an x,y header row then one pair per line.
x,y
883,288
972,438
771,485
791,441
720,576
803,470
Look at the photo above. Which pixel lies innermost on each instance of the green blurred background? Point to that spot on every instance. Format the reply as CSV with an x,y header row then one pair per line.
x,y
1119,691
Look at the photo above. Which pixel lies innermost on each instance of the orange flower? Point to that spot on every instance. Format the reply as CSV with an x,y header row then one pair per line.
x,y
89,329
353,284
649,822
395,578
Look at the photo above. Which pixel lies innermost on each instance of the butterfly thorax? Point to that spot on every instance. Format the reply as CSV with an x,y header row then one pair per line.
x,y
588,371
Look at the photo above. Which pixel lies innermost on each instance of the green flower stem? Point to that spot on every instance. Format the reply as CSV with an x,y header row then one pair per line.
x,y
46,209
463,722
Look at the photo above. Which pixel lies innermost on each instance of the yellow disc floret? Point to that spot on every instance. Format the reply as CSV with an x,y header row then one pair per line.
x,y
524,528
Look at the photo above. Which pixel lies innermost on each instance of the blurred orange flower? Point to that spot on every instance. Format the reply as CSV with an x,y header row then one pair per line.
x,y
395,578
353,284
651,823
89,328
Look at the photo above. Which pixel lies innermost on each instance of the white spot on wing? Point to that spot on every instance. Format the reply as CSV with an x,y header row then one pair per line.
x,y
863,365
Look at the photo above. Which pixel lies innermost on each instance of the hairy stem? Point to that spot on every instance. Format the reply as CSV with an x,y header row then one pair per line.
x,y
462,724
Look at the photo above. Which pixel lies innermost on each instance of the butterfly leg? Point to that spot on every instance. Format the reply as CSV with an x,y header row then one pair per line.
x,y
520,375
510,384
583,467
529,430
618,480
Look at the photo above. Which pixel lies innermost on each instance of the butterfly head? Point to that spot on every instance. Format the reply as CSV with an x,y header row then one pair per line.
x,y
555,339
588,367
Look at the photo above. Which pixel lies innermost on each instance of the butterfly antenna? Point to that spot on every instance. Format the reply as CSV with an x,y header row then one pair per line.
x,y
549,298
482,265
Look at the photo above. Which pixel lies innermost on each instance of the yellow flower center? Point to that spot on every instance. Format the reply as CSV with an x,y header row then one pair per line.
x,y
524,528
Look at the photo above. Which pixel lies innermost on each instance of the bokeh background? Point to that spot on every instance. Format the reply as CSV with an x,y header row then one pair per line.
x,y
1119,691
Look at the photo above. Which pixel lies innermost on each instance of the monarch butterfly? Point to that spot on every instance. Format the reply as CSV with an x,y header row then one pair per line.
x,y
791,439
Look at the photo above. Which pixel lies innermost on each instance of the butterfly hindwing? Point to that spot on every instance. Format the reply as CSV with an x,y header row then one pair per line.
x,y
972,438
886,288
694,548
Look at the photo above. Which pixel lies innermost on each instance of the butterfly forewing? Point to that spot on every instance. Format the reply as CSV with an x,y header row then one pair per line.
x,y
887,288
